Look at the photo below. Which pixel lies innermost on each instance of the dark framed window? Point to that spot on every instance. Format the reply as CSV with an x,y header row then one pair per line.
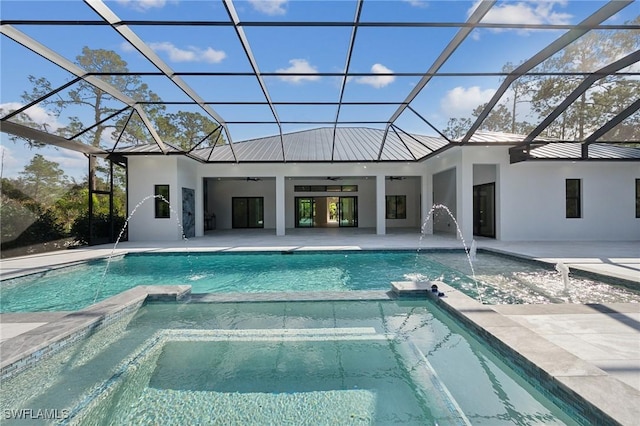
x,y
638,198
396,207
161,206
325,188
573,195
247,212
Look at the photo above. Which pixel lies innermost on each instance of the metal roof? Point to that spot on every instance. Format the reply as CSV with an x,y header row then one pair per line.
x,y
358,144
172,50
573,151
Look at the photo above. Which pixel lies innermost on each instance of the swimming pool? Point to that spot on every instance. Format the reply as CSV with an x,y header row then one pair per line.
x,y
499,278
366,362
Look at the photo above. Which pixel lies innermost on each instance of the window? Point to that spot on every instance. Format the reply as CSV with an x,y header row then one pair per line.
x,y
325,188
396,206
638,198
573,198
162,204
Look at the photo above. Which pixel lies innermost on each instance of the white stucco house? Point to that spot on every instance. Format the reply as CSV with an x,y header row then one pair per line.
x,y
491,186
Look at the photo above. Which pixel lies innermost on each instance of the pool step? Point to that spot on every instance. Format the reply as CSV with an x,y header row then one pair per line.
x,y
280,335
180,407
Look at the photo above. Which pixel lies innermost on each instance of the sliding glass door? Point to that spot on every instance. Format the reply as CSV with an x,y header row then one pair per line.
x,y
326,212
247,212
305,212
348,213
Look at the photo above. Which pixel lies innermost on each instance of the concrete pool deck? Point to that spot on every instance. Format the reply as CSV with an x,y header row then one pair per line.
x,y
604,339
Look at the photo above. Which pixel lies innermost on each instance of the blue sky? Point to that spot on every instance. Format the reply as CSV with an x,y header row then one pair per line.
x,y
290,49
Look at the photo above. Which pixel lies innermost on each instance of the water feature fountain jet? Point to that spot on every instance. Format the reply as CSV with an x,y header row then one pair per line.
x,y
124,227
464,244
472,250
564,273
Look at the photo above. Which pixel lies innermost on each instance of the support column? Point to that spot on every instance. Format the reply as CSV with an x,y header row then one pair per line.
x,y
381,226
464,199
426,197
280,206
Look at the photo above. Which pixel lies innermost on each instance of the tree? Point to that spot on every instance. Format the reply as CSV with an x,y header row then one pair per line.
x,y
457,127
520,90
186,129
25,220
43,180
498,120
566,71
605,98
99,104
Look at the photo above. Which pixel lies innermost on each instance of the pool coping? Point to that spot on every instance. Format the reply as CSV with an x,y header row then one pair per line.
x,y
585,388
58,331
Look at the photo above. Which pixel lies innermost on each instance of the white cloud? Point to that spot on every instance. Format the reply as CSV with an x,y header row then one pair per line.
x,y
70,161
298,66
36,113
191,54
460,101
143,5
126,47
531,12
270,7
18,155
377,81
416,3
213,56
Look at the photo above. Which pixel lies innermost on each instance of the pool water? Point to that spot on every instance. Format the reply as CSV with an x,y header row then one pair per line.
x,y
315,363
499,279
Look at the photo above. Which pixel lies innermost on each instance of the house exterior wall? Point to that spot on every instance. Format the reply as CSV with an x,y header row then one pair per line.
x,y
444,193
410,187
144,173
221,193
535,194
530,196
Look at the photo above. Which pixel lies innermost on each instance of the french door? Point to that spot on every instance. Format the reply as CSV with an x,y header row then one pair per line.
x,y
307,211
484,206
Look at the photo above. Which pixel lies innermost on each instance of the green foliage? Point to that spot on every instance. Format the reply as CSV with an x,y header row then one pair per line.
x,y
27,223
101,227
186,129
43,180
603,100
457,127
72,205
43,205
